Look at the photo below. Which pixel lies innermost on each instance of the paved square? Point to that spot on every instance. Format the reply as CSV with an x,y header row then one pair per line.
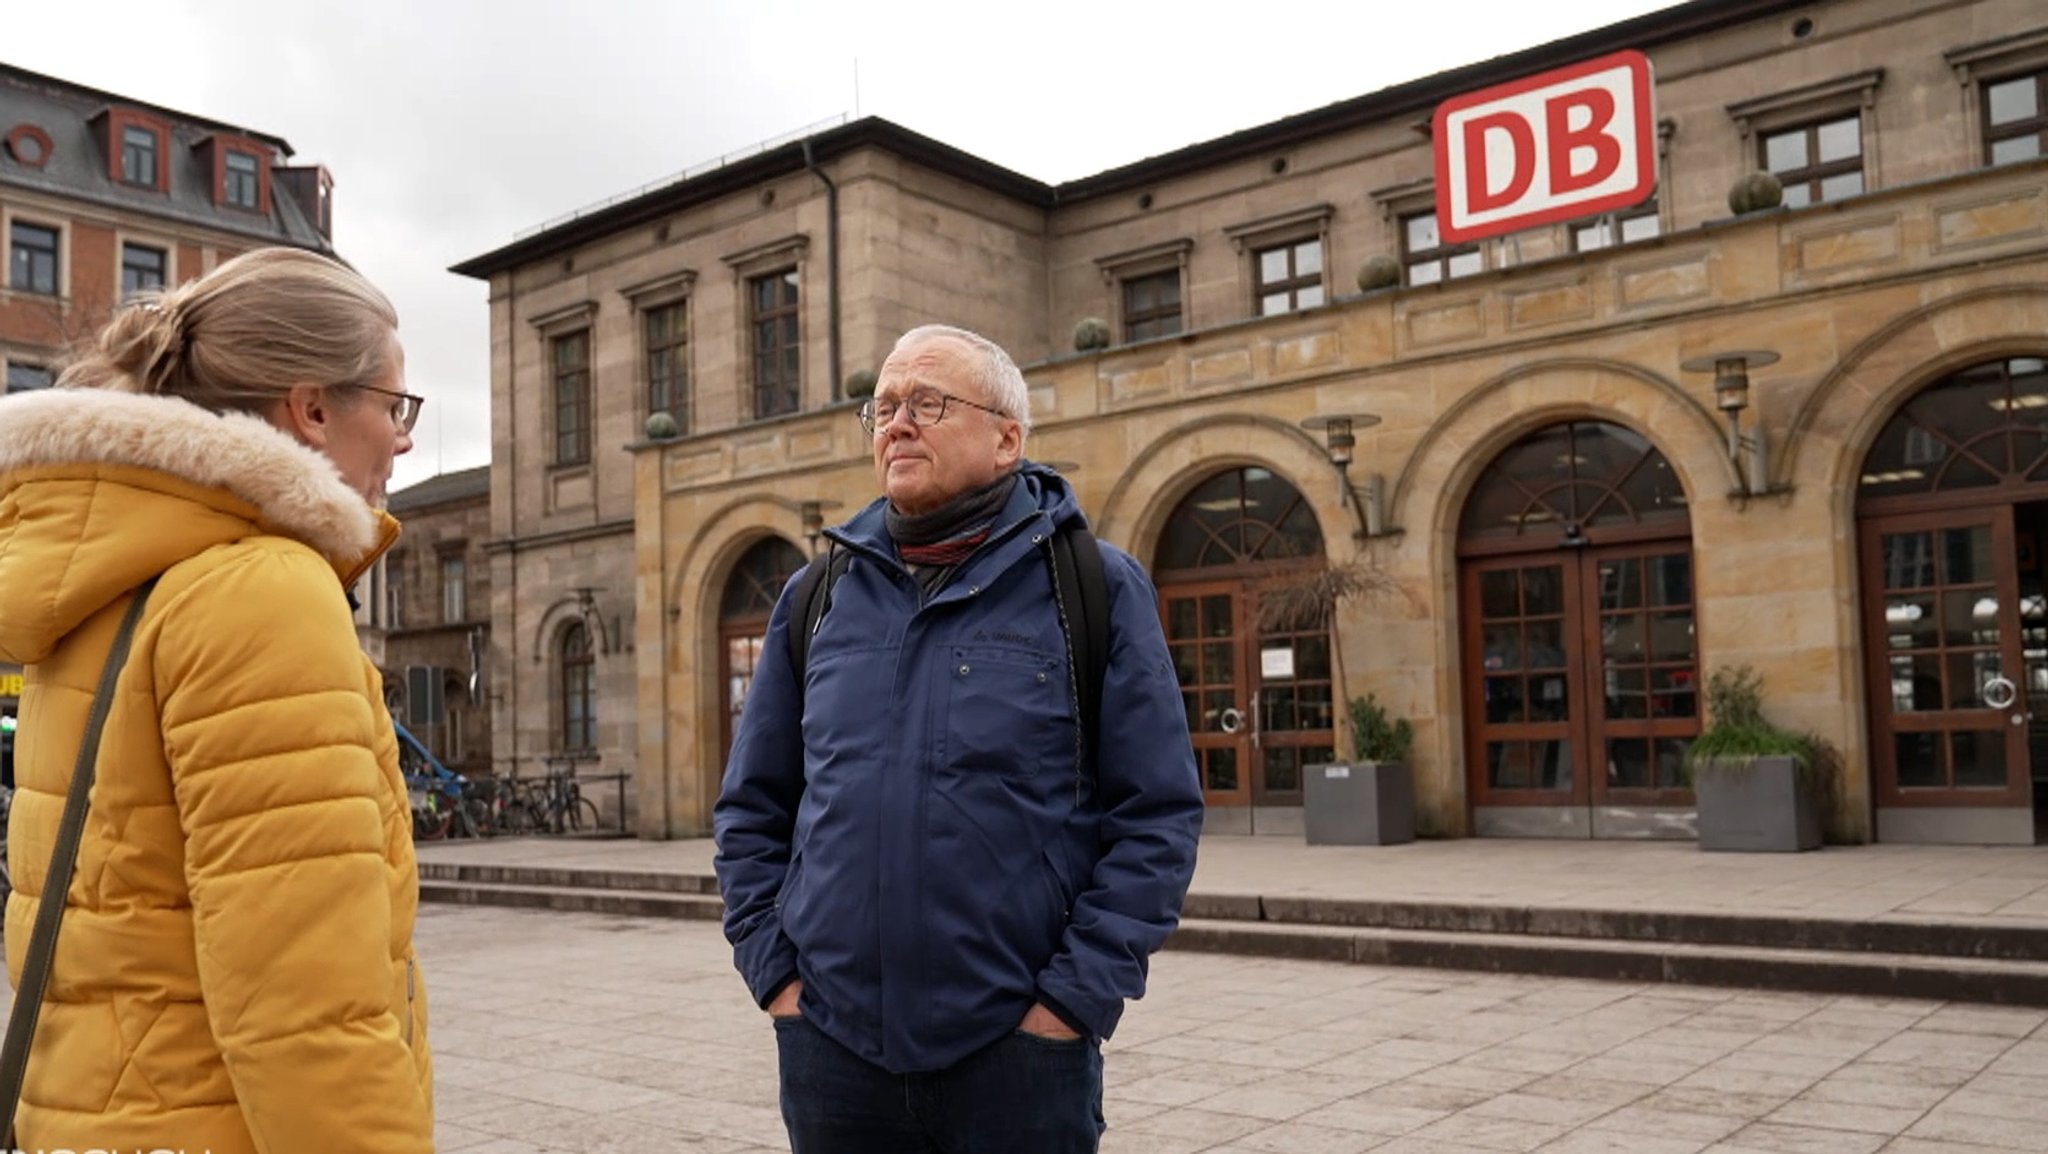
x,y
585,1033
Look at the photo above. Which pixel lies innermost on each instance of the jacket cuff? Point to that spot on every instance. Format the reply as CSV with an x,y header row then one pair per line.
x,y
1072,1020
775,990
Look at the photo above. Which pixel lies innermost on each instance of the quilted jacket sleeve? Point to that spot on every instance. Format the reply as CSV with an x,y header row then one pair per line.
x,y
270,731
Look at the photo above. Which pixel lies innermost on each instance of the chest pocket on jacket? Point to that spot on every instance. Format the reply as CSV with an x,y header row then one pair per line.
x,y
1008,711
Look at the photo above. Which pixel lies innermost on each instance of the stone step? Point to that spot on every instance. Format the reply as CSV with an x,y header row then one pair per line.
x,y
1929,937
570,877
576,898
1882,975
1919,937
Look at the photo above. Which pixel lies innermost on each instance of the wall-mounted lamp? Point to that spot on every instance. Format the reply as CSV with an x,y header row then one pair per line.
x,y
1062,467
586,608
812,514
1340,442
1749,454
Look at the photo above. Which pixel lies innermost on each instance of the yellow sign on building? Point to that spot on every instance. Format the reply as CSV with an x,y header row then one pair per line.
x,y
10,685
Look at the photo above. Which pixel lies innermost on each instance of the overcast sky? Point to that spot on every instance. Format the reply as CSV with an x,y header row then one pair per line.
x,y
451,125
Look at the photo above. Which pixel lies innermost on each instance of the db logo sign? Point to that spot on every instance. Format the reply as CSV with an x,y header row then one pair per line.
x,y
1567,143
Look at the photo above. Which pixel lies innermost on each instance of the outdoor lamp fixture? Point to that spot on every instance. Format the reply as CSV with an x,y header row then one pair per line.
x,y
586,608
812,513
1340,440
1731,396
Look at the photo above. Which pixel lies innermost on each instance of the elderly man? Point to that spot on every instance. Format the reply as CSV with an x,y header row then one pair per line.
x,y
941,886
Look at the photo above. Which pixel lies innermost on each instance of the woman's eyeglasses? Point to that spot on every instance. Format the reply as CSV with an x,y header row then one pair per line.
x,y
405,412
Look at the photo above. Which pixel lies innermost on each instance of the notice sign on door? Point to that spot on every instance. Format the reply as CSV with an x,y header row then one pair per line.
x,y
1277,664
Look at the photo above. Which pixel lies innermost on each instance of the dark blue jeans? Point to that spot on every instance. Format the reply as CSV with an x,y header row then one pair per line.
x,y
1020,1095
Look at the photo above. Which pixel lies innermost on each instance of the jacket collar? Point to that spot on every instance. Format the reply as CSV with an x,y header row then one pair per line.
x,y
295,491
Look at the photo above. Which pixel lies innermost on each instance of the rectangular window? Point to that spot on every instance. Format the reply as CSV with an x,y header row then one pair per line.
x,y
2016,118
668,363
572,398
1818,161
454,591
142,269
138,156
34,264
23,377
1290,277
394,592
778,362
240,185
1639,223
1152,306
1426,257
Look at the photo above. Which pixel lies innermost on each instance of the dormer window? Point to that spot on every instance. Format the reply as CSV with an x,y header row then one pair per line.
x,y
241,180
139,155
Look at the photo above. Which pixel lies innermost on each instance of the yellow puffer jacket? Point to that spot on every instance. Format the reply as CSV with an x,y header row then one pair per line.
x,y
235,971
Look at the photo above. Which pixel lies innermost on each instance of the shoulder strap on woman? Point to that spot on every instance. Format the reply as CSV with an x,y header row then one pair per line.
x,y
42,942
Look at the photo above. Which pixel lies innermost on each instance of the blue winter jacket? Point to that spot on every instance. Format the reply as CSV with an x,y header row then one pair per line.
x,y
925,850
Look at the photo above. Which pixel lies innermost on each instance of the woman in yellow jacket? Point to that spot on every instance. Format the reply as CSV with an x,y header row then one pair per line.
x,y
235,971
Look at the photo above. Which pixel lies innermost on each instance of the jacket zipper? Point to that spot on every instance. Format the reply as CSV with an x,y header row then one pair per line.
x,y
408,1000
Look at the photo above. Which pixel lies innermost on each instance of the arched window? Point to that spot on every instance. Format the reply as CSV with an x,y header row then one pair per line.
x,y
1243,516
579,701
1985,426
1564,481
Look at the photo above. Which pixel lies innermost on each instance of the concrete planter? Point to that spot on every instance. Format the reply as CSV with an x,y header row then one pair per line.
x,y
1358,803
1755,806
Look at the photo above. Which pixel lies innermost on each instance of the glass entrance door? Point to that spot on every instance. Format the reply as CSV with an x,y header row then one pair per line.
x,y
1582,672
1258,693
1950,682
1203,636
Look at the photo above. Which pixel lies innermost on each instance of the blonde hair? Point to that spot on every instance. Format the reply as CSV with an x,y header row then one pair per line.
x,y
238,338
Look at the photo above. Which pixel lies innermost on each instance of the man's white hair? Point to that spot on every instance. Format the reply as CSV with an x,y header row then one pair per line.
x,y
1001,381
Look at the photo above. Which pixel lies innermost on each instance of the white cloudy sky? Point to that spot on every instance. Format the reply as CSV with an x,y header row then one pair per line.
x,y
450,125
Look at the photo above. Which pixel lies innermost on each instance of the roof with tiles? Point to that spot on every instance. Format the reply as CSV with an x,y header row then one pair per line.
x,y
77,169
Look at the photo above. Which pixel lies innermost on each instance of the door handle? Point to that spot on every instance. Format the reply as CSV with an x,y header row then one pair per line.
x,y
2000,693
1255,722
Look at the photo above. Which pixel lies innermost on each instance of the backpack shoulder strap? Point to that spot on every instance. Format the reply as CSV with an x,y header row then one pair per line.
x,y
1084,589
810,599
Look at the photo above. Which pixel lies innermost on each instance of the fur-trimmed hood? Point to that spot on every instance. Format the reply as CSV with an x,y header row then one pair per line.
x,y
100,490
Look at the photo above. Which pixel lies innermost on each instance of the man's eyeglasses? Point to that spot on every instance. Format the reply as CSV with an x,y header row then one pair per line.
x,y
405,412
927,408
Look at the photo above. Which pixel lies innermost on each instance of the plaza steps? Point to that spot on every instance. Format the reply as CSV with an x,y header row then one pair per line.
x,y
1883,958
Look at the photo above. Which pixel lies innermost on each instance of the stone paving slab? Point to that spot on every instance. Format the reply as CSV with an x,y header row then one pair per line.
x,y
1993,886
578,1033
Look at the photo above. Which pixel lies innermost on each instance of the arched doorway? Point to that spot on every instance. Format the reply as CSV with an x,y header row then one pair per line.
x,y
1257,685
743,613
1952,518
1578,643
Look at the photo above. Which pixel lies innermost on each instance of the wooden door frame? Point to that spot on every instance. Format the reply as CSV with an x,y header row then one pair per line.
x,y
1949,514
1473,653
1586,727
1194,591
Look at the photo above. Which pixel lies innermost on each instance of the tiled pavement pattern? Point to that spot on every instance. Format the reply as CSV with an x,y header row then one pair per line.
x,y
585,1033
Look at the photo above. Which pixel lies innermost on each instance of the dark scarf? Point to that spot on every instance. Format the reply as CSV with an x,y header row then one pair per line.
x,y
934,542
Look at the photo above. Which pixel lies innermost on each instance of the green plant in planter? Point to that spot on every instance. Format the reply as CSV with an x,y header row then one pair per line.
x,y
1376,735
1737,730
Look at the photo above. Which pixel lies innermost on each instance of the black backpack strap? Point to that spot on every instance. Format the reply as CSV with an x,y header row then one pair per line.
x,y
1084,593
808,602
